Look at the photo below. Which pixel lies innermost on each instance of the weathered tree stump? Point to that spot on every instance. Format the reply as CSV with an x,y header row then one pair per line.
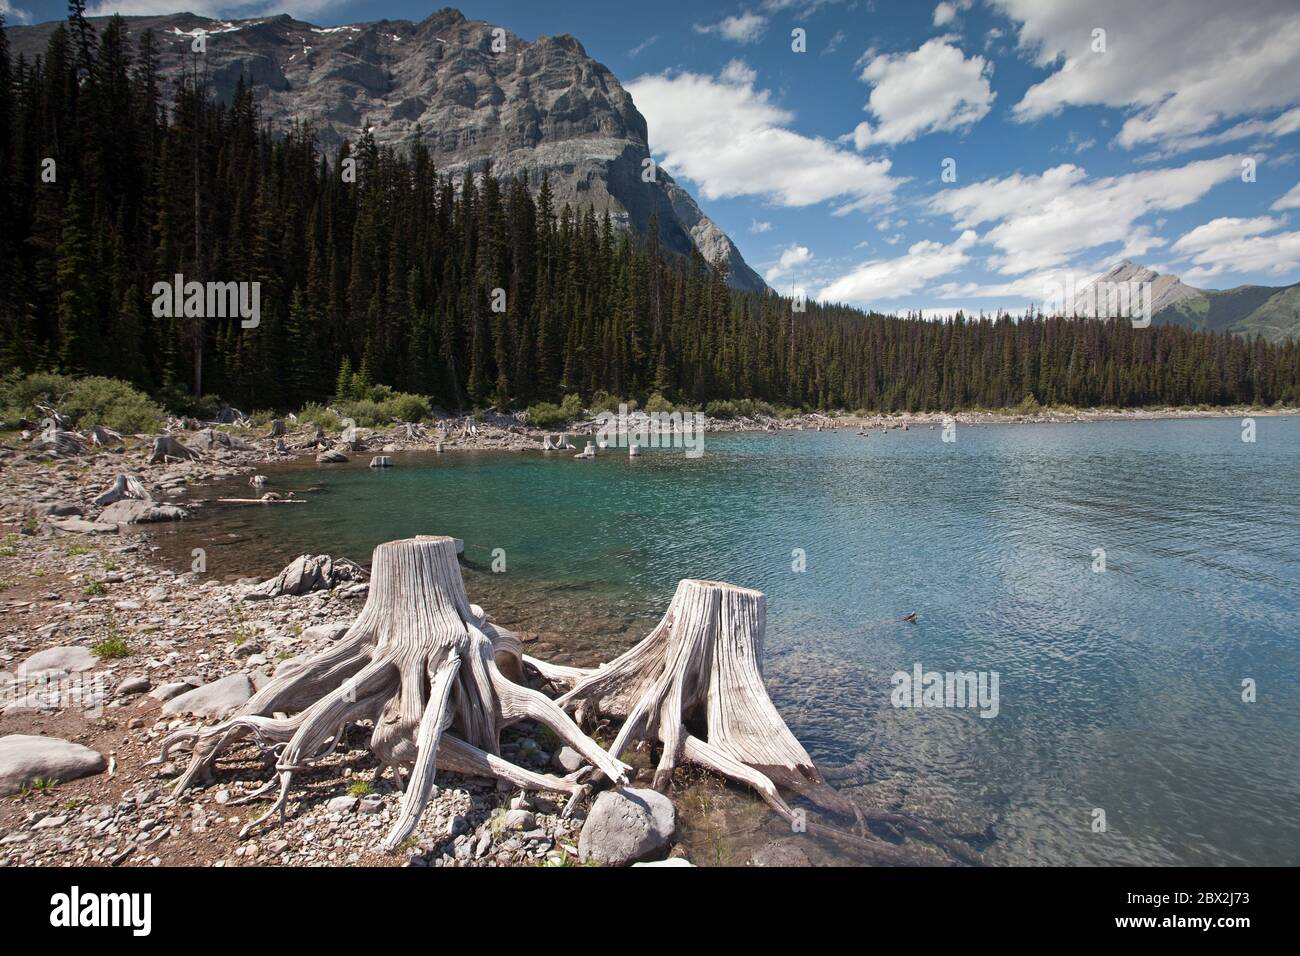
x,y
59,443
278,428
166,448
99,435
702,664
420,661
124,486
702,667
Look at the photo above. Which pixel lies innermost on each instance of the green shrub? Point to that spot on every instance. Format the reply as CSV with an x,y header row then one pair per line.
x,y
1028,406
111,648
550,415
657,404
94,400
315,414
382,406
602,401
405,407
546,415
747,408
364,412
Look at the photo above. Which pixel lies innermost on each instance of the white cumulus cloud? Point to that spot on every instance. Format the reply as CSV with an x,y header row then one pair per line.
x,y
883,279
1289,201
931,89
791,259
1044,221
742,28
731,139
1231,245
1179,67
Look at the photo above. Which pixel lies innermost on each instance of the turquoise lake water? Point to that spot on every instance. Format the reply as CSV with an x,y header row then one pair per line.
x,y
1119,691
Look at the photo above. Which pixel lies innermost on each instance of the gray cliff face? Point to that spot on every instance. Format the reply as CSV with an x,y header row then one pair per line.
x,y
540,107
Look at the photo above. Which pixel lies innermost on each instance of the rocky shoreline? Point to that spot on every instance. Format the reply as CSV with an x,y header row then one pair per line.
x,y
105,649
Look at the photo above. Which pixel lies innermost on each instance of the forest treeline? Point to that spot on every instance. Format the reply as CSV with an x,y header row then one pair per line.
x,y
112,179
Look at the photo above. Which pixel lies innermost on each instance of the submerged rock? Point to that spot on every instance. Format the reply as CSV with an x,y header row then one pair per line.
x,y
779,853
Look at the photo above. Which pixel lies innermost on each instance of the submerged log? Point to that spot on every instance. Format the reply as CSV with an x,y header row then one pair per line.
x,y
166,448
420,662
124,486
264,500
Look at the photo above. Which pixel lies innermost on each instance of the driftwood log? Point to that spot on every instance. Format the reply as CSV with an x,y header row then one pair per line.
x,y
166,448
420,661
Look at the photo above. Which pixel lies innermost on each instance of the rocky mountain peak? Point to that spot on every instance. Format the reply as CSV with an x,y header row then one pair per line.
x,y
534,108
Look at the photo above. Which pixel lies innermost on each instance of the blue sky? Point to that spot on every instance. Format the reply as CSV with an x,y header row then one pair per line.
x,y
1171,138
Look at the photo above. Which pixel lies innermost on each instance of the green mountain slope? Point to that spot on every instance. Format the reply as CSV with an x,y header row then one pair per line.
x,y
1247,310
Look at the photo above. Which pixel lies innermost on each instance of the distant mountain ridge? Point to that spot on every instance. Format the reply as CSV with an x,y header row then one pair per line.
x,y
544,107
1248,310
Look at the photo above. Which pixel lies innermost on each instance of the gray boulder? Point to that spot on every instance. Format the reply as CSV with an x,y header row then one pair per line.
x,y
69,660
217,699
320,633
627,825
25,758
133,511
135,684
171,690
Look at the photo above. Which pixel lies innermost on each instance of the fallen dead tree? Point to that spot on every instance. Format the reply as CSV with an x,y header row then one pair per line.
x,y
420,661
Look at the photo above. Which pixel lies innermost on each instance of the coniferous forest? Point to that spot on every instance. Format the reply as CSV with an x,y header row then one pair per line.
x,y
393,274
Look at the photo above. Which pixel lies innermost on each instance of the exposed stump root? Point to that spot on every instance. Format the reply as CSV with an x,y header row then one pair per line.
x,y
701,668
421,662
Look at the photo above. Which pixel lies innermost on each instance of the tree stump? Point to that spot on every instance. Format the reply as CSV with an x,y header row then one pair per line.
x,y
59,443
421,662
166,448
99,435
124,486
702,665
